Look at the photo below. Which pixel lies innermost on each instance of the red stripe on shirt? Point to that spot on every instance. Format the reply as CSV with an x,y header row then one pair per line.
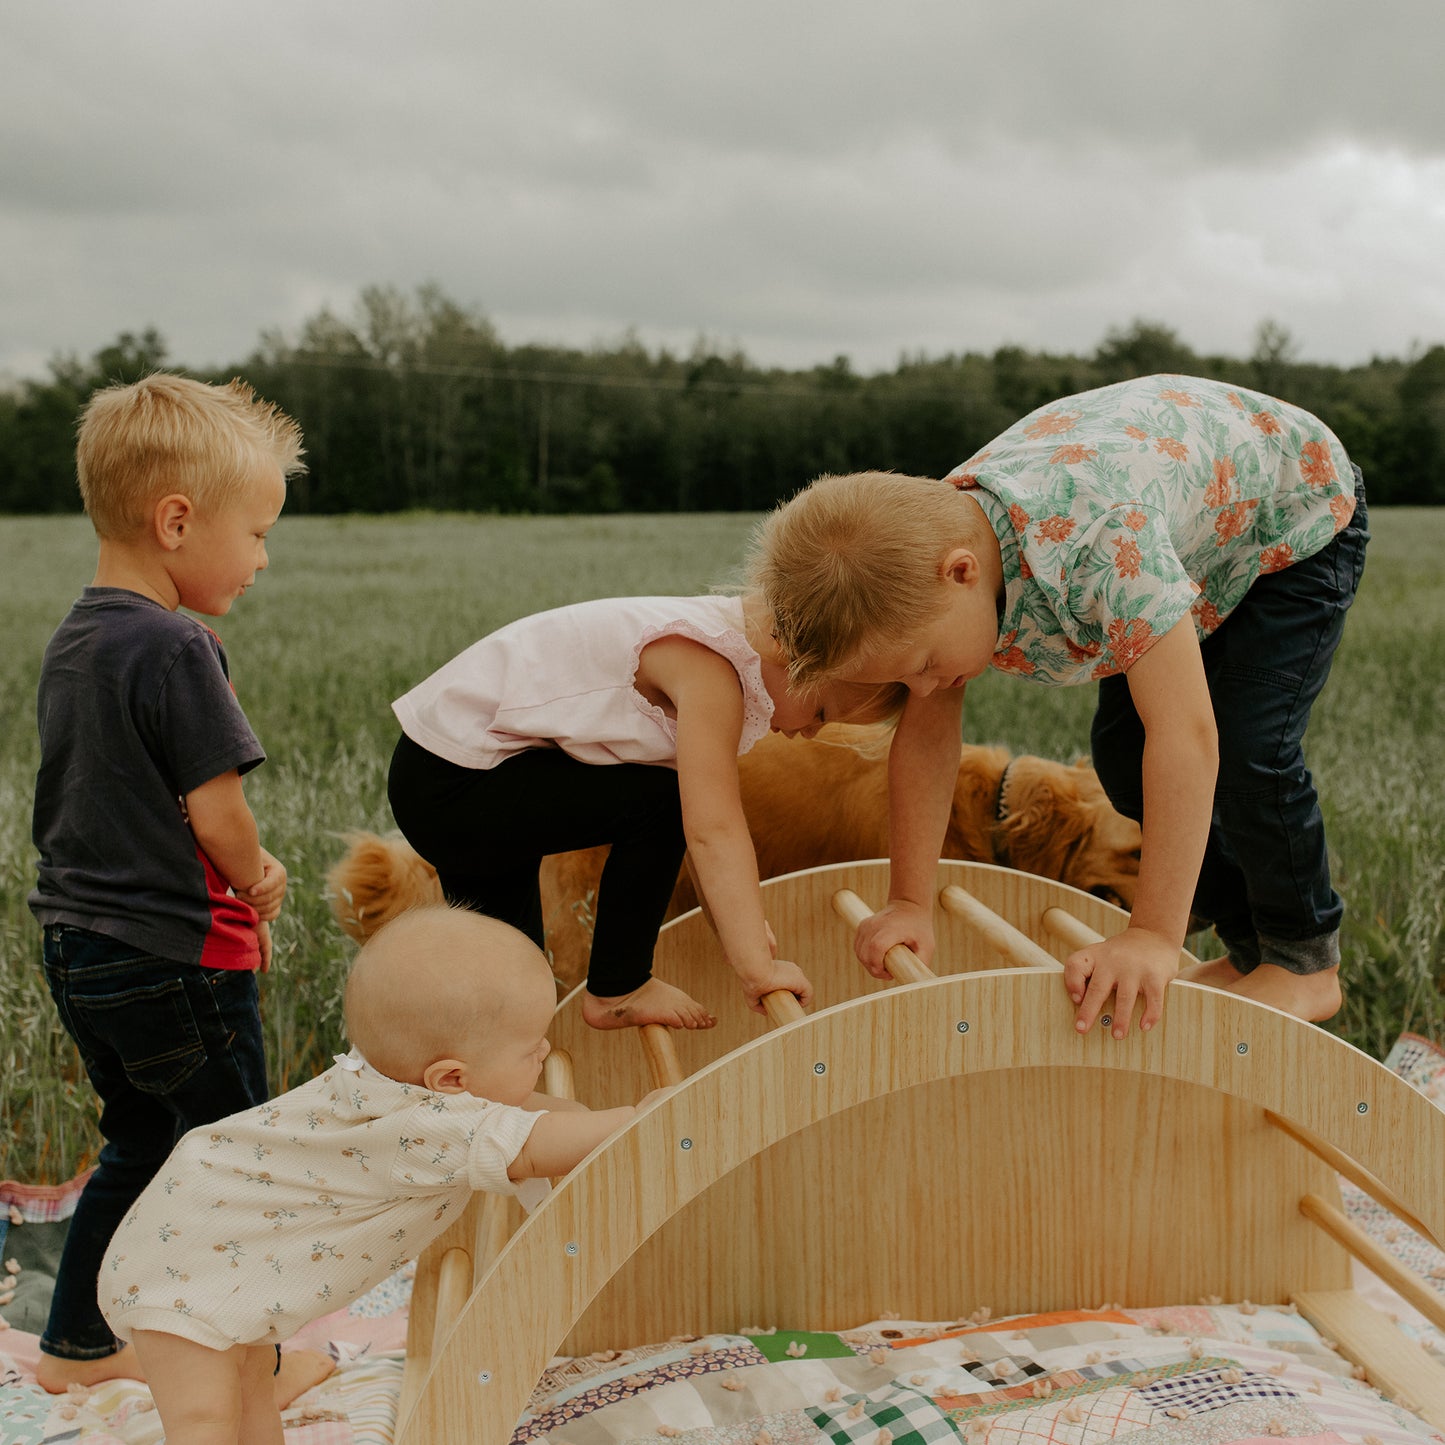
x,y
231,940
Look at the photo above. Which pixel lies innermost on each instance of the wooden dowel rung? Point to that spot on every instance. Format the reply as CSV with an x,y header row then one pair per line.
x,y
661,1056
1341,1163
557,1078
1069,930
557,1081
1016,947
1077,934
1404,1282
903,963
454,1284
782,1008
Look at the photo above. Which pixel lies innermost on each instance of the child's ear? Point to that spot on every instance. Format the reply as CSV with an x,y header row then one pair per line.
x,y
959,565
171,518
445,1076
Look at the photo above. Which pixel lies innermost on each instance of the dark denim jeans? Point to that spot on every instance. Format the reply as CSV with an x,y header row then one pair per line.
x,y
168,1046
1265,880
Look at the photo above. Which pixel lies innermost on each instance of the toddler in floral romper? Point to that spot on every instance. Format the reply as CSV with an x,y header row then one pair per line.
x,y
274,1216
1189,545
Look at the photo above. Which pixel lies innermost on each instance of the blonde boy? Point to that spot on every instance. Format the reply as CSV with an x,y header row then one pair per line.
x,y
154,893
1191,546
287,1211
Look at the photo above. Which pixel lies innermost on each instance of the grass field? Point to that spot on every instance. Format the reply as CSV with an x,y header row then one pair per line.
x,y
354,611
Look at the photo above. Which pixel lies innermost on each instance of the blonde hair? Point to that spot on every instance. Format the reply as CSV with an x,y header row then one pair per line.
x,y
852,561
867,703
433,980
144,440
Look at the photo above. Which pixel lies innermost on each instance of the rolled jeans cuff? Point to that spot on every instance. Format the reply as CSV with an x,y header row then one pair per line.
x,y
1302,955
1243,951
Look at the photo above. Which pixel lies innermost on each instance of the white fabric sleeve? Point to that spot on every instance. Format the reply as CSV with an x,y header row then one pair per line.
x,y
499,1138
451,1139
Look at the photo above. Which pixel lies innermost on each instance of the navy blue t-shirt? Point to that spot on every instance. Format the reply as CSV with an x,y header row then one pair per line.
x,y
136,710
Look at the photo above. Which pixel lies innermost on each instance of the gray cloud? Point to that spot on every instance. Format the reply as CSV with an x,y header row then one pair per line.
x,y
797,177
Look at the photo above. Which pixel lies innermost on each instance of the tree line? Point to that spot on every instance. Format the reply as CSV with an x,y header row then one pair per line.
x,y
415,402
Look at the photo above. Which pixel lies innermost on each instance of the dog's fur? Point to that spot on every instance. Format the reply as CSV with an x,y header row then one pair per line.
x,y
810,803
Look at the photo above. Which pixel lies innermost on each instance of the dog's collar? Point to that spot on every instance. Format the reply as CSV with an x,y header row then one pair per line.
x,y
1000,816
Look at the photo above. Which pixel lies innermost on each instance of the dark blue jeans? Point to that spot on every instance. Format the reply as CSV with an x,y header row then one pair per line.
x,y
1265,880
168,1046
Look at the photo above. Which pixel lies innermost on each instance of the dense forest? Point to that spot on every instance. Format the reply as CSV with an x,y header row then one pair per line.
x,y
417,403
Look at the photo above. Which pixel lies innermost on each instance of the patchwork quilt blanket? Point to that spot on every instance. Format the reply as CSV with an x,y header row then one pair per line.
x,y
1204,1373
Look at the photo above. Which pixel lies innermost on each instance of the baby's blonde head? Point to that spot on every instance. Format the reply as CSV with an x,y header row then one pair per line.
x,y
852,563
436,982
167,435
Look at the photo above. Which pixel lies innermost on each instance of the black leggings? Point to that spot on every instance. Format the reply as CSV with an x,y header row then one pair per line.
x,y
486,831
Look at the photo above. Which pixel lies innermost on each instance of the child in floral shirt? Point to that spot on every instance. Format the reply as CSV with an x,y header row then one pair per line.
x,y
276,1215
1190,545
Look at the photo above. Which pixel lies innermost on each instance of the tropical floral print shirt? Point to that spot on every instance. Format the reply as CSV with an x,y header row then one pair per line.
x,y
1121,510
272,1217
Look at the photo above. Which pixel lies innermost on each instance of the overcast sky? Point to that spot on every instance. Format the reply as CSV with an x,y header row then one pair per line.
x,y
800,180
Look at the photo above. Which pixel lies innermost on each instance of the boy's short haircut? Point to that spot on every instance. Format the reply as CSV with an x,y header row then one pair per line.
x,y
852,561
146,439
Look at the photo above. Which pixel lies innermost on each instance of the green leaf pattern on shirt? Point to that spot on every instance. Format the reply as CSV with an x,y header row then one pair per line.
x,y
1122,510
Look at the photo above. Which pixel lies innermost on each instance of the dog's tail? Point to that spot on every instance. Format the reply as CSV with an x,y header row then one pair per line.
x,y
377,879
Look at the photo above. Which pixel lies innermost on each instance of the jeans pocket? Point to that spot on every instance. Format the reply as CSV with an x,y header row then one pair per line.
x,y
152,1029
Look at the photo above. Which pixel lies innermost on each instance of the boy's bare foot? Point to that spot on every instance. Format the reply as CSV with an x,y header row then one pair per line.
x,y
55,1375
1313,997
654,1003
1216,972
300,1370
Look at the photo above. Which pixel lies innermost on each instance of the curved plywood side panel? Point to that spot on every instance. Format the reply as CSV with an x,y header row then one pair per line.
x,y
1020,1190
903,1040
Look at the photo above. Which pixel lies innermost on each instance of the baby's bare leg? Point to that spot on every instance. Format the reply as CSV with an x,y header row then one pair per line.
x,y
204,1396
260,1418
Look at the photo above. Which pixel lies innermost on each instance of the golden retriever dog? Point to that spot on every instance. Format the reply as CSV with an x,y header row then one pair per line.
x,y
810,803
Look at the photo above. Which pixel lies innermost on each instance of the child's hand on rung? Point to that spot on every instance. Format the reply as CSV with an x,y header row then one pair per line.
x,y
1132,965
780,974
898,921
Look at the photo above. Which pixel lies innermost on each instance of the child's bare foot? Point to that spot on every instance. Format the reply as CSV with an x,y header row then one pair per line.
x,y
300,1370
55,1375
1216,972
1313,997
654,1003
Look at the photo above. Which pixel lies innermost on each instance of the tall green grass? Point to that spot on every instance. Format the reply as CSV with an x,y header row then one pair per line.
x,y
355,610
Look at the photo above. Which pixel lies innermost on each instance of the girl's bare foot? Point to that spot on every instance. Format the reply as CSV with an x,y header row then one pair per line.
x,y
1313,997
654,1003
1216,972
300,1370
